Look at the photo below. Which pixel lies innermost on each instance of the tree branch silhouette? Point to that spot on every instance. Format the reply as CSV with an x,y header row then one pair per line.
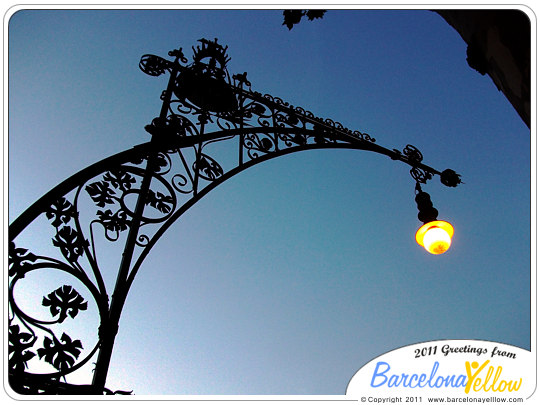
x,y
293,17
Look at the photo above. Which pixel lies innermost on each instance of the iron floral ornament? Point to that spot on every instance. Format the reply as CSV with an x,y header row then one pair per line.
x,y
211,127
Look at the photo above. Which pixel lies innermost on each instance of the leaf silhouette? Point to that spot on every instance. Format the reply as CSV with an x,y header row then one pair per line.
x,y
19,343
65,301
61,212
113,222
101,193
208,168
159,201
18,259
70,243
119,179
60,355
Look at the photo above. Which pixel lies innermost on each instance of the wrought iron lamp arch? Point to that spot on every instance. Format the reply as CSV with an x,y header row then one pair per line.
x,y
133,197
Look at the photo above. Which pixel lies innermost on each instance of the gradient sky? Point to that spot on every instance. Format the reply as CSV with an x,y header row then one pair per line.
x,y
293,274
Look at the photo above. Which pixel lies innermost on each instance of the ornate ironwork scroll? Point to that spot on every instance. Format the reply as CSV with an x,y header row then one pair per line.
x,y
210,128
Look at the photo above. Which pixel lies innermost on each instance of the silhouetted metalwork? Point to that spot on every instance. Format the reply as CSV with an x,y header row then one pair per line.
x,y
211,127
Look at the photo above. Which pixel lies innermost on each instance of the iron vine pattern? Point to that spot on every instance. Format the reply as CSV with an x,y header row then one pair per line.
x,y
211,127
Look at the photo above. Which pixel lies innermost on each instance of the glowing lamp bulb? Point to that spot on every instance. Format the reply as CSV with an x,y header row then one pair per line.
x,y
435,236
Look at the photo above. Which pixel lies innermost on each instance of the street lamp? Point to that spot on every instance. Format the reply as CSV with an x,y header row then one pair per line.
x,y
129,200
435,236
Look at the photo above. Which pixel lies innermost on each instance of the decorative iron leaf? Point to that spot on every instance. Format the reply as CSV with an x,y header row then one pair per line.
x,y
71,244
65,301
61,212
119,179
60,355
101,193
113,222
161,202
19,343
208,168
18,260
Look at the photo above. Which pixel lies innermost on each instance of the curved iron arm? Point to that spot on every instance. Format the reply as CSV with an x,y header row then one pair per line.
x,y
130,199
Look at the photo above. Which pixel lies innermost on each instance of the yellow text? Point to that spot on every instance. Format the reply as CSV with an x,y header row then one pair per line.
x,y
489,381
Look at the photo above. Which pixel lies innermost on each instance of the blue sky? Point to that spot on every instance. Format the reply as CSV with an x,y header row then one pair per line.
x,y
290,276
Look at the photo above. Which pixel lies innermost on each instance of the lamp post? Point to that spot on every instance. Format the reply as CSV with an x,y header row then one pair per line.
x,y
130,199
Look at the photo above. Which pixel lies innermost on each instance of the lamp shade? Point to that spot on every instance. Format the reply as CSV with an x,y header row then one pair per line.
x,y
435,236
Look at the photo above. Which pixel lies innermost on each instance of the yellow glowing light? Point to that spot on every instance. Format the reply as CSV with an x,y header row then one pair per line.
x,y
435,236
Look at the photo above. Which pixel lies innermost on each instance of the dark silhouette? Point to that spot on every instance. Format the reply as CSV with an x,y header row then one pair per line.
x,y
293,17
